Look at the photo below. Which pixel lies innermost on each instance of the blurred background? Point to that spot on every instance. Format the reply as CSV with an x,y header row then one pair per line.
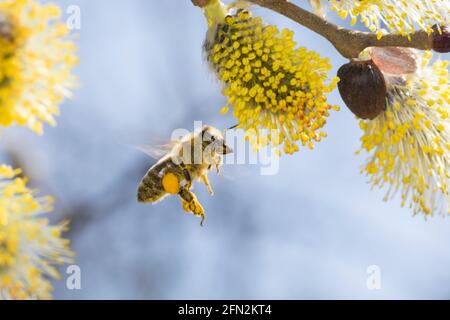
x,y
308,232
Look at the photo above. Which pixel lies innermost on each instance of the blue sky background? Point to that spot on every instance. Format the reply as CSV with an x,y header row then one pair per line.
x,y
308,232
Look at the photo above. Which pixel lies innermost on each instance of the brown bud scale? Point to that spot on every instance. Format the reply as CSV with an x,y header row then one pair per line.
x,y
441,39
363,88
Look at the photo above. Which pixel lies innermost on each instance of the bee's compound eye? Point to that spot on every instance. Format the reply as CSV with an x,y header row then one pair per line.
x,y
206,136
170,183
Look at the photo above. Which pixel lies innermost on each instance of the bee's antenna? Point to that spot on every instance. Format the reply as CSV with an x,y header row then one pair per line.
x,y
233,127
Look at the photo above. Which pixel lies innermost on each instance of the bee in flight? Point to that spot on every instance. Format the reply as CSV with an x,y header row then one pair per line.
x,y
188,160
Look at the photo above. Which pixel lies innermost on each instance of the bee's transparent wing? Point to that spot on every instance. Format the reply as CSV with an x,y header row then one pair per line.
x,y
149,143
156,151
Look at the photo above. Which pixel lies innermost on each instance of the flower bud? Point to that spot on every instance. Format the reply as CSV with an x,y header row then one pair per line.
x,y
363,88
441,38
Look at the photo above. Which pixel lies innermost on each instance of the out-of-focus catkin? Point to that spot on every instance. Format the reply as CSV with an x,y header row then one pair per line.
x,y
36,61
30,247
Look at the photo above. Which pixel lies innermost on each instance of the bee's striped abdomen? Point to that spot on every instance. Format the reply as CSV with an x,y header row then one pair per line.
x,y
150,189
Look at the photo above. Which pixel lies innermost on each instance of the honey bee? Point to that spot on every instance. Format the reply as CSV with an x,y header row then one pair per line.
x,y
188,160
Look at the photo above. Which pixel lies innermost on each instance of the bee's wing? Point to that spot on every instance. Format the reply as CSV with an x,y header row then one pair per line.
x,y
149,143
156,151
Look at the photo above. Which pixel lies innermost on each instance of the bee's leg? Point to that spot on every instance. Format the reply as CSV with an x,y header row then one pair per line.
x,y
218,163
188,178
186,173
191,204
207,184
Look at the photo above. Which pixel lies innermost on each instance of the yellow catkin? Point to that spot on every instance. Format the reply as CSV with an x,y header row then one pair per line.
x,y
400,16
409,144
36,59
30,247
276,90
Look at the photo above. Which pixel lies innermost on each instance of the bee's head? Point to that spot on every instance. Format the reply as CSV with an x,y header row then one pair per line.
x,y
213,137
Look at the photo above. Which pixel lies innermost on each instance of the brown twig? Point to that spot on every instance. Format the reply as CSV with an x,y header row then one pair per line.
x,y
349,43
200,3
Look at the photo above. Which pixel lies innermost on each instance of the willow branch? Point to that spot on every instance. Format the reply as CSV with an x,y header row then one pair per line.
x,y
348,43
